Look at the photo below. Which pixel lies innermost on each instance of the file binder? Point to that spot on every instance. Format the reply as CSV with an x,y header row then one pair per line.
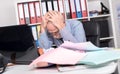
x,y
44,8
34,32
27,14
60,6
38,30
38,12
84,8
46,5
49,4
35,36
52,4
21,13
55,3
78,8
72,9
67,8
32,12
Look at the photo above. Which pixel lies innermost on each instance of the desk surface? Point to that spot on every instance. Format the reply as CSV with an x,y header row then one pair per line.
x,y
24,69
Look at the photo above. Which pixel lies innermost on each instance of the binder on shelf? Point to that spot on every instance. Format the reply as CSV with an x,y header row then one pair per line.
x,y
27,14
52,2
32,12
38,30
34,32
72,9
78,8
21,13
55,3
35,36
49,4
67,8
38,12
61,6
84,8
46,5
44,8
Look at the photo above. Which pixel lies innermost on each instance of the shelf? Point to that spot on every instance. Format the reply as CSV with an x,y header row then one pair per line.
x,y
104,15
34,24
90,17
106,38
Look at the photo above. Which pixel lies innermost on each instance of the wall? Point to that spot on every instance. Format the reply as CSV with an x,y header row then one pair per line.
x,y
7,12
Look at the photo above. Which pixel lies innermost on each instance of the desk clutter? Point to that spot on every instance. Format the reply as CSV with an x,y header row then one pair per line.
x,y
74,54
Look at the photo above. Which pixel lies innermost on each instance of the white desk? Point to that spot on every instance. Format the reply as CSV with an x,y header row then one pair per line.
x,y
24,69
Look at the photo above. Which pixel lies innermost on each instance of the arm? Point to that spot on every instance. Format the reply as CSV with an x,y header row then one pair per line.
x,y
44,41
73,32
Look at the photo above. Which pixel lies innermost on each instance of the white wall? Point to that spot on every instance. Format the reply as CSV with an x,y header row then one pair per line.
x,y
7,12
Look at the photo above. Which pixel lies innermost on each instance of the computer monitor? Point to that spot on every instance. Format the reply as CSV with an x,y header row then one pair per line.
x,y
16,38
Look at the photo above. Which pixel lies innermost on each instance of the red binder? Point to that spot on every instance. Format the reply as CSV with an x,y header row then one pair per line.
x,y
21,13
32,12
84,8
38,12
72,9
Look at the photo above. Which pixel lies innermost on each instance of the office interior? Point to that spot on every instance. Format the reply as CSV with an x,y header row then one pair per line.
x,y
9,17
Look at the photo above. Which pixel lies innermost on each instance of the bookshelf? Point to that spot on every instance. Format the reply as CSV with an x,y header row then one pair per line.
x,y
92,11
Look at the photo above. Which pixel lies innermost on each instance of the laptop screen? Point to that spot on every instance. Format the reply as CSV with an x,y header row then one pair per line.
x,y
16,38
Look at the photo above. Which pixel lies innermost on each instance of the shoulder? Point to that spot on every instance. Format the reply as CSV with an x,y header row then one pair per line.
x,y
73,23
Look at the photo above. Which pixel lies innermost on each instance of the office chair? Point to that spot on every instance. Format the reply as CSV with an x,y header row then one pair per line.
x,y
92,31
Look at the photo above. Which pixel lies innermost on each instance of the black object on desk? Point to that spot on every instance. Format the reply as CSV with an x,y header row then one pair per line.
x,y
17,43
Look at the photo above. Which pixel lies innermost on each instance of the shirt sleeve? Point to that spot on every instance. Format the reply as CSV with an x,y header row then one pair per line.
x,y
77,33
44,41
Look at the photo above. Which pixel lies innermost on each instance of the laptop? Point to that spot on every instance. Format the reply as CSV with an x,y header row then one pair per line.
x,y
17,44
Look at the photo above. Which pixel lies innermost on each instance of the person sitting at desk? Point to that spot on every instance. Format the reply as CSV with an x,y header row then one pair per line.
x,y
55,30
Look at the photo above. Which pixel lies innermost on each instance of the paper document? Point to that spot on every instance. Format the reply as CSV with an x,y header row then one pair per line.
x,y
88,46
60,56
100,57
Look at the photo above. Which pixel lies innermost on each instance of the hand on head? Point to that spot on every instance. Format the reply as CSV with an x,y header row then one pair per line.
x,y
53,21
56,18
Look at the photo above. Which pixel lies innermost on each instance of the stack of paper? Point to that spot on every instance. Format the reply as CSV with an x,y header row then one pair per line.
x,y
100,57
65,56
86,46
60,56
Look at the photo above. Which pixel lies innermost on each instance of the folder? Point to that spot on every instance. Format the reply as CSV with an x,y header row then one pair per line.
x,y
84,8
72,9
34,32
49,4
44,8
21,13
100,57
27,14
78,9
60,6
65,56
46,5
38,12
38,30
67,8
35,36
55,3
32,12
52,2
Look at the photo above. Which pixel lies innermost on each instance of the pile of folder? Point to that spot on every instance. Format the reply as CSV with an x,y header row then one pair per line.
x,y
78,53
30,12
